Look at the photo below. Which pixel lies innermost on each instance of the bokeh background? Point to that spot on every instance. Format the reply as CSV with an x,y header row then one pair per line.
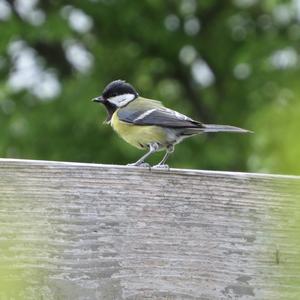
x,y
225,62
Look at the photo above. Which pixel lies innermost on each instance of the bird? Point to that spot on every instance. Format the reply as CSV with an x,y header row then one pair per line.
x,y
147,124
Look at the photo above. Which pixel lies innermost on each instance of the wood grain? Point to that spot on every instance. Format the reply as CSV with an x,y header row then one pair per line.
x,y
87,231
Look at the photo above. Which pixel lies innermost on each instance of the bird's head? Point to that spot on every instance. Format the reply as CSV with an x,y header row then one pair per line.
x,y
117,94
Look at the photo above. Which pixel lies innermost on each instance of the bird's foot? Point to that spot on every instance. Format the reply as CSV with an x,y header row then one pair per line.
x,y
140,165
162,166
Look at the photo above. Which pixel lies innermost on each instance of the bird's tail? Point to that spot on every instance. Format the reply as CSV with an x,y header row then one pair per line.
x,y
223,128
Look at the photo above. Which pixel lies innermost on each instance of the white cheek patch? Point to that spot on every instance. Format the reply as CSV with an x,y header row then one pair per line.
x,y
121,100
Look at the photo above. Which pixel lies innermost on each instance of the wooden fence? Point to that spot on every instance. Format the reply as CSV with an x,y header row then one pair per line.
x,y
87,231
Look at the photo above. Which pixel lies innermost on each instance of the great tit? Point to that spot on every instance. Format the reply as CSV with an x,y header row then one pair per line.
x,y
147,124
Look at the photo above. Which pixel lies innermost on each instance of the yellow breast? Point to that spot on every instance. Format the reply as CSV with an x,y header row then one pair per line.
x,y
136,135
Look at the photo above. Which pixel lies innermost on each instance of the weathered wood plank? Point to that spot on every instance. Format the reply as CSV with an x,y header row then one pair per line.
x,y
86,231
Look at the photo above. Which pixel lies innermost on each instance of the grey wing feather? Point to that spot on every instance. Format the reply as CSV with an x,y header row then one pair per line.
x,y
158,116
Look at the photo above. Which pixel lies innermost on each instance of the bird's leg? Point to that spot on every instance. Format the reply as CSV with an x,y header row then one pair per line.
x,y
162,164
153,147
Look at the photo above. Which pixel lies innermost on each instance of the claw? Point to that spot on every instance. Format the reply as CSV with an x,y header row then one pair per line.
x,y
142,165
164,167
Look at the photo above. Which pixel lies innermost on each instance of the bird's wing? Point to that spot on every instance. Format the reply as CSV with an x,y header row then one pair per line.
x,y
159,116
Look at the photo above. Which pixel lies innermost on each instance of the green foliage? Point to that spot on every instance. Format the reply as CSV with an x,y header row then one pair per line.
x,y
218,61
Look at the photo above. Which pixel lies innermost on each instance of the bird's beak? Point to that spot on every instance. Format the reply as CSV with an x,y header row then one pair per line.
x,y
99,99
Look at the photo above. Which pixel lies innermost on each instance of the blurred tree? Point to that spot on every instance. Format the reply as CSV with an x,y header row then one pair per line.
x,y
218,61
